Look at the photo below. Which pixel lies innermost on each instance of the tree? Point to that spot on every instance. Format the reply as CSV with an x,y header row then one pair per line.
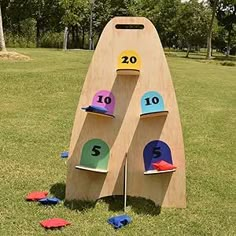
x,y
76,18
146,8
37,17
104,10
79,20
2,41
47,14
226,15
192,23
162,13
166,22
213,4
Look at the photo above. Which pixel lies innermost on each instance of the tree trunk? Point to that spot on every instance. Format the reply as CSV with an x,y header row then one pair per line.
x,y
73,36
209,35
228,43
2,41
83,37
37,34
76,36
188,51
69,40
65,39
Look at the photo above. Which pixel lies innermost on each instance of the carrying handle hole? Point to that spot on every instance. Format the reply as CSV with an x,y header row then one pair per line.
x,y
130,26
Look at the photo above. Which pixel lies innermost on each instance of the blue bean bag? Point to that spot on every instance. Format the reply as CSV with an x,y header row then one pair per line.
x,y
49,201
119,221
95,109
64,154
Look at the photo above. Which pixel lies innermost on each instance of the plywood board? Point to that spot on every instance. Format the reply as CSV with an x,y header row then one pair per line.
x,y
141,50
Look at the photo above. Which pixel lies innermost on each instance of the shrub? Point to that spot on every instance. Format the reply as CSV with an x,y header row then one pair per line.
x,y
18,41
52,40
228,63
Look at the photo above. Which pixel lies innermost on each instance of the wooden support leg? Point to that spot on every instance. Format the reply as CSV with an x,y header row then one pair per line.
x,y
125,182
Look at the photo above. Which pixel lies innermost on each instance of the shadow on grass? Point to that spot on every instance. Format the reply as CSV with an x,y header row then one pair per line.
x,y
138,204
116,204
225,58
58,190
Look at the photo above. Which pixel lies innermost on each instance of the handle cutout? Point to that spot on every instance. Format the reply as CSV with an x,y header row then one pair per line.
x,y
130,26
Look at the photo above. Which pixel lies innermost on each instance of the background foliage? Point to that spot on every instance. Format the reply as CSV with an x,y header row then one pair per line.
x,y
40,23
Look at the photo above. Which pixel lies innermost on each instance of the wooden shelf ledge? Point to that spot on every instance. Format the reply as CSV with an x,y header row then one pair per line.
x,y
128,72
154,114
153,172
100,114
91,169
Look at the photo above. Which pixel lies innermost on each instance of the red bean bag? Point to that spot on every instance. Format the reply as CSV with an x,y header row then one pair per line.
x,y
163,165
35,196
54,223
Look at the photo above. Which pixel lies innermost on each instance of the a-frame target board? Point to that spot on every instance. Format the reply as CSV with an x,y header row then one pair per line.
x,y
127,108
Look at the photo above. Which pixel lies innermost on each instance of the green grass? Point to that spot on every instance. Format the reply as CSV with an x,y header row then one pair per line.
x,y
37,108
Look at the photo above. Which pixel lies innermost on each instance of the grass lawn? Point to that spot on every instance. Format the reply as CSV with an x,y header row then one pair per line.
x,y
37,107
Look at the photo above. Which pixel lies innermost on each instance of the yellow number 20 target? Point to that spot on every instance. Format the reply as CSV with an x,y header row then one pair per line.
x,y
129,60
